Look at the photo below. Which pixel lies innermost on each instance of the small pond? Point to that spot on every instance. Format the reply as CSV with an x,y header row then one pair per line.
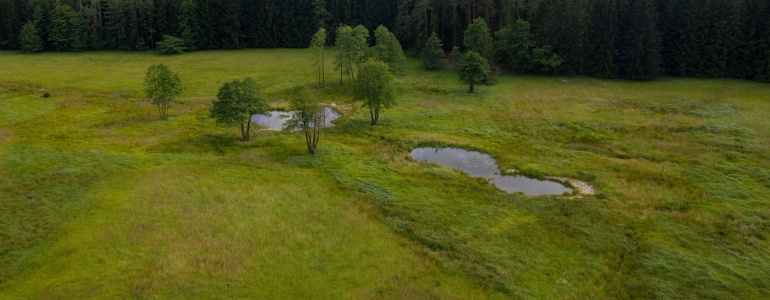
x,y
276,118
477,164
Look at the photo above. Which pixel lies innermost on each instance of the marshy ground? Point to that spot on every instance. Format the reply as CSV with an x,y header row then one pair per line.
x,y
101,199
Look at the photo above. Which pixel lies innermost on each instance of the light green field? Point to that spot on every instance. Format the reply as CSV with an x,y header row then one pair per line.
x,y
100,199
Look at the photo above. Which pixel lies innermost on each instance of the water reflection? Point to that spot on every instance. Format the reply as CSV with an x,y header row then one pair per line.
x,y
276,119
477,164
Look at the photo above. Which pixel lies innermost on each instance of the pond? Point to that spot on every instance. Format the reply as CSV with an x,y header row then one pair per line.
x,y
275,119
477,164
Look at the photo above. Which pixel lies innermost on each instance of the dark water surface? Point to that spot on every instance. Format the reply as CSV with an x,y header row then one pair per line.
x,y
478,164
278,118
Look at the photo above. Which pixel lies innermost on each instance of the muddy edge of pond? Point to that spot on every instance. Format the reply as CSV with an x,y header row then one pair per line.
x,y
583,188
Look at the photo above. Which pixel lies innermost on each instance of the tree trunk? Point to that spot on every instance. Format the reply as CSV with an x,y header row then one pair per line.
x,y
473,88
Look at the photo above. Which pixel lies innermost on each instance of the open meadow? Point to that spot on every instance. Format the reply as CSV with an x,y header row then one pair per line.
x,y
101,199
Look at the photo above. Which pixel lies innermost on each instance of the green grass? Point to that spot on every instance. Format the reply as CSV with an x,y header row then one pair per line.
x,y
100,199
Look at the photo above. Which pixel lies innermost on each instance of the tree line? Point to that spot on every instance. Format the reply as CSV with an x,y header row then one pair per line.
x,y
637,39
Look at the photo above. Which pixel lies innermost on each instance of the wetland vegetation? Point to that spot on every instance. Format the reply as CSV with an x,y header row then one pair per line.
x,y
101,199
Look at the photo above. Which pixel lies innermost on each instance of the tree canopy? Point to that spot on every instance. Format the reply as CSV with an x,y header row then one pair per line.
x,y
236,102
473,69
162,87
606,38
375,87
433,54
309,116
29,39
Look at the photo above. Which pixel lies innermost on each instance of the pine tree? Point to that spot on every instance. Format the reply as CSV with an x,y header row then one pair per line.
x,y
29,39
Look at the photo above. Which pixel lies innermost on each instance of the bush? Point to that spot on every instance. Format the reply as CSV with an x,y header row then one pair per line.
x,y
46,95
172,45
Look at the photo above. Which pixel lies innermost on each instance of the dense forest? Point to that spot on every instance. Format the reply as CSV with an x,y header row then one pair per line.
x,y
637,39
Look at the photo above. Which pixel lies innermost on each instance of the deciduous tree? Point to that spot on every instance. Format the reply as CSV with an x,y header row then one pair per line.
x,y
389,50
478,39
318,45
162,87
473,69
375,86
309,116
236,102
29,39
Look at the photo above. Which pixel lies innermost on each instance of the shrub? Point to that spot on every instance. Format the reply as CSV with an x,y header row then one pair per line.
x,y
172,45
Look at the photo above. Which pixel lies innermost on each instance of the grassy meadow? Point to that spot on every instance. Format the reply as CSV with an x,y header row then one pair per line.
x,y
101,199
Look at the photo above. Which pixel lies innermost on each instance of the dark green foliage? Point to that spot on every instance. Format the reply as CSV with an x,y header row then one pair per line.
x,y
710,38
236,102
29,39
478,39
640,51
389,50
67,31
473,69
189,27
456,56
162,87
432,54
375,86
603,38
172,45
516,49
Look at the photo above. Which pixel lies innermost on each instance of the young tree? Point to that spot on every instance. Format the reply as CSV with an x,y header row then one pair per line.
x,y
308,116
478,39
473,69
389,50
162,87
318,44
360,46
344,44
236,102
433,54
188,24
375,86
29,39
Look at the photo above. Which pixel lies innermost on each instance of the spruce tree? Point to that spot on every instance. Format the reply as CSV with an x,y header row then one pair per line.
x,y
640,53
188,24
433,54
603,39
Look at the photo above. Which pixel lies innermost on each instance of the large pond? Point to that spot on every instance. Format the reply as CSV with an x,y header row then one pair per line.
x,y
275,119
477,164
